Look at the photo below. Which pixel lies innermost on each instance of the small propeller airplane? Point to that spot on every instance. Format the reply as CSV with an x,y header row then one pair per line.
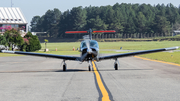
x,y
90,51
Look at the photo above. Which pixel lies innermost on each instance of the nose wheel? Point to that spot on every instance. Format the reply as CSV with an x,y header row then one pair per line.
x,y
90,65
89,68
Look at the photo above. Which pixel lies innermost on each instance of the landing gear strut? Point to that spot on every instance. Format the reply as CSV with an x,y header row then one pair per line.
x,y
64,66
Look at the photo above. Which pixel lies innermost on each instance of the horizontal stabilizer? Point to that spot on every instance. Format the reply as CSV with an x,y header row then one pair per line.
x,y
105,31
69,32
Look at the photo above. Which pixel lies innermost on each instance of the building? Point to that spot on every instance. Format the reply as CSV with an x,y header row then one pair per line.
x,y
12,16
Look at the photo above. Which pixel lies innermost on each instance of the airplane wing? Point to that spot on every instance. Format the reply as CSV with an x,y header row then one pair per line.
x,y
136,53
65,57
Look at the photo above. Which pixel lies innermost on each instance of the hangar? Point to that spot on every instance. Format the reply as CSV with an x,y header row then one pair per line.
x,y
12,16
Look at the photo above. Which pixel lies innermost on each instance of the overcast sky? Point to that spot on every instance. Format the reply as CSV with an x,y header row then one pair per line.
x,y
32,8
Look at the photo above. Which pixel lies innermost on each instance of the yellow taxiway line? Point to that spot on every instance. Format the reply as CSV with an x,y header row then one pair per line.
x,y
157,61
100,84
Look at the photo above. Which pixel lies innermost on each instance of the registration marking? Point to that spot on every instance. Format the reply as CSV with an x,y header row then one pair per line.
x,y
100,84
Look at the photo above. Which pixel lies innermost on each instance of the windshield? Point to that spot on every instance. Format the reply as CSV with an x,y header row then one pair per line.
x,y
93,43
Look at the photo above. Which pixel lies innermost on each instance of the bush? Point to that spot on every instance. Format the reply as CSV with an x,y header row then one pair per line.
x,y
34,43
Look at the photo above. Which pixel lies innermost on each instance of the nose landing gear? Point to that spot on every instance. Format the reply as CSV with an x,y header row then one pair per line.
x,y
90,65
89,68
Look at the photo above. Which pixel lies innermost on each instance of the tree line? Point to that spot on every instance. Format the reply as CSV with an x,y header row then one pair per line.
x,y
124,18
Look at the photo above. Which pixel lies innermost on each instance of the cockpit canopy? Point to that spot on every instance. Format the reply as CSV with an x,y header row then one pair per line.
x,y
93,43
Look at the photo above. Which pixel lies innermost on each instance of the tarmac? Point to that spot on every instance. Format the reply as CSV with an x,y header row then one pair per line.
x,y
29,78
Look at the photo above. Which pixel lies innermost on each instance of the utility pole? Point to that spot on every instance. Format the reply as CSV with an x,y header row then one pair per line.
x,y
172,29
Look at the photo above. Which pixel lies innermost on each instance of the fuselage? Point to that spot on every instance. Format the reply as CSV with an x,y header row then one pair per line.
x,y
92,49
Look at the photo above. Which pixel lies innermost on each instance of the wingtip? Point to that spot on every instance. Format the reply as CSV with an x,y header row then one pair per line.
x,y
172,48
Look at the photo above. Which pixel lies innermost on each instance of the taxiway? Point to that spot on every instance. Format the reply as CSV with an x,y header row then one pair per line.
x,y
29,78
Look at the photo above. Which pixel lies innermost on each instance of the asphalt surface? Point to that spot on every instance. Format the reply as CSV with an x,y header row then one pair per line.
x,y
29,78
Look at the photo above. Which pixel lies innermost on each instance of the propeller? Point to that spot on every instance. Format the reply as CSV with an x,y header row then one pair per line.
x,y
89,51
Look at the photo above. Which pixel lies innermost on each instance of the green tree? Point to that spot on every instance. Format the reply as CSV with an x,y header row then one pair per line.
x,y
141,22
162,25
64,24
78,18
124,18
34,23
34,43
97,24
2,40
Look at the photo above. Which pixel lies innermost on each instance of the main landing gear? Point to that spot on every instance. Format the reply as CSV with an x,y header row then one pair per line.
x,y
116,64
64,66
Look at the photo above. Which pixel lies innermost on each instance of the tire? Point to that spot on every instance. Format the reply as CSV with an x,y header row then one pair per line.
x,y
116,66
89,68
64,67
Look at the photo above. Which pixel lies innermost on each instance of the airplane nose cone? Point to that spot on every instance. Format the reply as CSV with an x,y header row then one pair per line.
x,y
89,51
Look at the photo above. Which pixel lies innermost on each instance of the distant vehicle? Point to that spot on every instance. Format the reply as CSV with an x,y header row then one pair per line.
x,y
176,32
90,51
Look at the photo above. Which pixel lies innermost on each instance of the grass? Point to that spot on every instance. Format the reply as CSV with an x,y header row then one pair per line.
x,y
64,46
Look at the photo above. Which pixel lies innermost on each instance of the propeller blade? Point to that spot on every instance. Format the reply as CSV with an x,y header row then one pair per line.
x,y
95,53
88,44
83,56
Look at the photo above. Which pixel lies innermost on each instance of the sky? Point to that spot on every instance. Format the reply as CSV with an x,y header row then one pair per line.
x,y
31,8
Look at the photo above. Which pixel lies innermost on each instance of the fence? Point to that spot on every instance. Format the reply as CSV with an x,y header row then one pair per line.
x,y
136,35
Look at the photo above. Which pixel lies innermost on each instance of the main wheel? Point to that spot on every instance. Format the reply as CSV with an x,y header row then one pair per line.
x,y
64,67
116,66
89,68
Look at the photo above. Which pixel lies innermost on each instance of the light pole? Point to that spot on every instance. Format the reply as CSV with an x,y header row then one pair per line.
x,y
11,3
